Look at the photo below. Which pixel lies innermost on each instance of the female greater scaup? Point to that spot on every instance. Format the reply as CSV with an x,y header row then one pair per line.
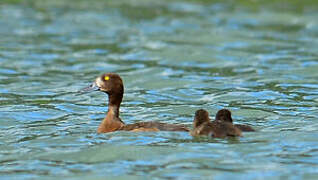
x,y
225,115
112,84
219,129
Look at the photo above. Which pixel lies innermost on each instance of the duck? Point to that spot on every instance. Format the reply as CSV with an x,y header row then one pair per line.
x,y
202,126
112,85
225,115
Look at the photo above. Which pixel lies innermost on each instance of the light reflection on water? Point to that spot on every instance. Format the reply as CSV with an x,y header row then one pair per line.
x,y
174,57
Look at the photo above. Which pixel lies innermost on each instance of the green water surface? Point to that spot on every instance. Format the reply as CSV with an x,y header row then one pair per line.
x,y
256,58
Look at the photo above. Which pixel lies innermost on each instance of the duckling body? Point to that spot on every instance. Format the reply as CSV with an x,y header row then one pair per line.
x,y
112,84
225,115
218,129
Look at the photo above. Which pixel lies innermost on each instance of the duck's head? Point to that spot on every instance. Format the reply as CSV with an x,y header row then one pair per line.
x,y
201,116
224,115
109,83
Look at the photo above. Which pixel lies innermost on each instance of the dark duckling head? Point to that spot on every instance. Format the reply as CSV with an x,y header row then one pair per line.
x,y
224,115
201,116
219,129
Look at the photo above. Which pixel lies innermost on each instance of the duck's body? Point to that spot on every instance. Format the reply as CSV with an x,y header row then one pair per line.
x,y
154,126
112,84
218,129
225,115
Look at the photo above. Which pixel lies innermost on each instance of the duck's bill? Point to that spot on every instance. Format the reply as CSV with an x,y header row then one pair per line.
x,y
90,88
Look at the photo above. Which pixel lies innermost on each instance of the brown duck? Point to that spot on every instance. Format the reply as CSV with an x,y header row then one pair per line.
x,y
225,115
219,129
112,85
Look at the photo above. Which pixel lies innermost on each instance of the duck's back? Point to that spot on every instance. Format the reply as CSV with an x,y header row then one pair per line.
x,y
205,129
223,129
154,126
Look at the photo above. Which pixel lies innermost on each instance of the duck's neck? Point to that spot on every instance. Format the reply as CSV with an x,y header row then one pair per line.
x,y
112,121
114,101
198,121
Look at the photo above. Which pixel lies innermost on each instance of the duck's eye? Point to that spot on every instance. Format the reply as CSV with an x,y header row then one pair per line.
x,y
106,78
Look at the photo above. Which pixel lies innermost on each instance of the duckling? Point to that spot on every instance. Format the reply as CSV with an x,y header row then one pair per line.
x,y
225,115
218,129
112,85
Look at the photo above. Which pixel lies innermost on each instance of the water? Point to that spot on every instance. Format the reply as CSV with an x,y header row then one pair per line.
x,y
257,58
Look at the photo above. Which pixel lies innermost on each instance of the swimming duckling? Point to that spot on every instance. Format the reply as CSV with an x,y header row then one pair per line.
x,y
112,85
218,129
225,115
